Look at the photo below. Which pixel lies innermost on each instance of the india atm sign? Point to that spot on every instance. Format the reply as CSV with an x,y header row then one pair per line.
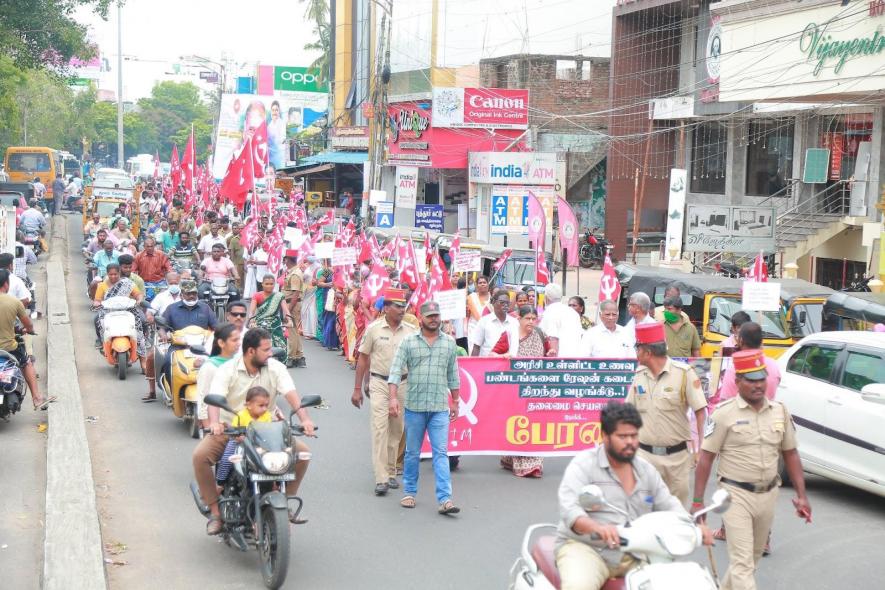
x,y
297,79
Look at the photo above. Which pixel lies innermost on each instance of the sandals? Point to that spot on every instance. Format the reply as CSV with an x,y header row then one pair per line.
x,y
44,405
214,526
407,502
719,534
448,507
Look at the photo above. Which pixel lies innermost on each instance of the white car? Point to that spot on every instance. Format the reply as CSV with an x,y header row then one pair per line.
x,y
833,383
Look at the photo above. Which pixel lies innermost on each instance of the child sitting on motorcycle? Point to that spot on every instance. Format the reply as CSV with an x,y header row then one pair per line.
x,y
256,410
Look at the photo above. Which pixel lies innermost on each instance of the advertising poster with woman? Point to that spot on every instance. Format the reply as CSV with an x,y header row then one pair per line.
x,y
285,116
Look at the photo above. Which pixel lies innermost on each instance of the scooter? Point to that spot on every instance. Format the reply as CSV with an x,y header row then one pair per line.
x,y
186,352
253,504
656,539
119,333
33,240
12,382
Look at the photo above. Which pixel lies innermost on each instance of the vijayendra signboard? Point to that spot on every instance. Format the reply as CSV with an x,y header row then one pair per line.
x,y
488,108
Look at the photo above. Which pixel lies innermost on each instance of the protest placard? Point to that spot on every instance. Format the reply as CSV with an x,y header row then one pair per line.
x,y
452,304
343,256
468,260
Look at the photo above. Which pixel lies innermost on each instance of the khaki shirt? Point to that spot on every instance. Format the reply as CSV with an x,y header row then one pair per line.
x,y
681,342
294,282
380,343
235,249
663,403
749,443
232,380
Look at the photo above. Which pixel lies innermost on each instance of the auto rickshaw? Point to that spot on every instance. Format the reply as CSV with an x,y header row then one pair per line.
x,y
709,301
853,311
803,304
105,206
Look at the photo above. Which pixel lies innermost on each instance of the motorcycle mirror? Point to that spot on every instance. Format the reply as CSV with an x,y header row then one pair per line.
x,y
310,401
721,501
198,350
591,497
218,401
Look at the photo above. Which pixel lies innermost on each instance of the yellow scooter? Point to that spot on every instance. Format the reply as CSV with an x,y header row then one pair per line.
x,y
186,352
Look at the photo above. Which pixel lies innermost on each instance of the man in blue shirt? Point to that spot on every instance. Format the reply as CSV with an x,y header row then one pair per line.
x,y
102,259
190,311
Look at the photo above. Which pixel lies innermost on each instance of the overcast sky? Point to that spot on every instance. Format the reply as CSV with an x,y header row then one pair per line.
x,y
156,33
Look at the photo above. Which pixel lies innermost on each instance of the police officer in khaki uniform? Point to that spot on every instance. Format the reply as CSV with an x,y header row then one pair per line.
x,y
293,289
378,347
749,433
663,390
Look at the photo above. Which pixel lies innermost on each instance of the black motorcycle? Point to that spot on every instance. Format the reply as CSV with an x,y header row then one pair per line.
x,y
593,249
12,382
217,293
254,506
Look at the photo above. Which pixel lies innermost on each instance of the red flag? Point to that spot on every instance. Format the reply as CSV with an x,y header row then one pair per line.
x,y
543,274
439,277
273,245
348,233
239,180
609,286
156,165
189,165
365,250
339,277
428,253
249,233
175,169
499,263
407,265
259,149
328,218
455,248
376,249
375,283
759,272
568,231
390,248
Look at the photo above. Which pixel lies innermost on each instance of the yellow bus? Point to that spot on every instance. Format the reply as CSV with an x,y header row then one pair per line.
x,y
24,164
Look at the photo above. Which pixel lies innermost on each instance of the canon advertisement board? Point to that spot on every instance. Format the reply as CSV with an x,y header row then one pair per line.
x,y
485,108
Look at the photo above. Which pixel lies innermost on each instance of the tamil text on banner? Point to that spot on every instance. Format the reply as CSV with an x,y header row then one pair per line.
x,y
284,115
543,407
429,217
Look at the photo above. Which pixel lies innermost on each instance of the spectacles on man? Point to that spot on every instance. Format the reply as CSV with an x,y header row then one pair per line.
x,y
238,314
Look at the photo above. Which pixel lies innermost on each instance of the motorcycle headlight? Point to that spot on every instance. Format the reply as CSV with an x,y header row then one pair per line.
x,y
277,462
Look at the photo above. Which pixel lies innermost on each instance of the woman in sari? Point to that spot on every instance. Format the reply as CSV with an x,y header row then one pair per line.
x,y
531,344
270,311
309,301
478,305
350,322
225,345
323,285
330,320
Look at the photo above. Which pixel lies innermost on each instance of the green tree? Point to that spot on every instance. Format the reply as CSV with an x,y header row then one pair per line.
x,y
318,12
171,110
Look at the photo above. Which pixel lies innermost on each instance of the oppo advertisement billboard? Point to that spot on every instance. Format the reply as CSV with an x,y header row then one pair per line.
x,y
285,115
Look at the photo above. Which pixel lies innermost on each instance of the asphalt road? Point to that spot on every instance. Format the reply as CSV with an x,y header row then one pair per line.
x,y
142,464
23,470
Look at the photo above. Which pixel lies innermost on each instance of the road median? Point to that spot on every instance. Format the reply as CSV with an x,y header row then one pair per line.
x,y
72,551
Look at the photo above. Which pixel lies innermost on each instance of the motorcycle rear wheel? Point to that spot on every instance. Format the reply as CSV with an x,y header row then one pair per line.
x,y
273,547
122,365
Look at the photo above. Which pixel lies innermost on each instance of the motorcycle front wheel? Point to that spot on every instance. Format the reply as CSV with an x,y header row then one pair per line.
x,y
585,259
122,365
273,547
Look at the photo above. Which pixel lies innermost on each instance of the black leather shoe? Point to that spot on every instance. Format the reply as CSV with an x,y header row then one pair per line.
x,y
392,483
381,489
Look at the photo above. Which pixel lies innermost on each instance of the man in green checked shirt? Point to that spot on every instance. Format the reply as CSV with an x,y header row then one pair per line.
x,y
429,358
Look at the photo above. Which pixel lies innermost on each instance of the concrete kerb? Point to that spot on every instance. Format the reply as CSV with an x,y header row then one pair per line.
x,y
73,557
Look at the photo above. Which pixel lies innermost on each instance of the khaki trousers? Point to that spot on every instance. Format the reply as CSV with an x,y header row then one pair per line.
x,y
675,470
295,347
387,432
582,568
206,455
748,523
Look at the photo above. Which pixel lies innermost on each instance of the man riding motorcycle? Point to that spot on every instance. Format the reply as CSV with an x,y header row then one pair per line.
x,y
218,266
232,380
184,254
587,543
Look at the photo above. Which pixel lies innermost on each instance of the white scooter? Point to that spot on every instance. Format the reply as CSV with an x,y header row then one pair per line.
x,y
656,539
120,336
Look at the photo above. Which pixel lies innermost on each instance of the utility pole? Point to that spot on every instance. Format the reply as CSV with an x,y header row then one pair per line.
x,y
379,94
120,156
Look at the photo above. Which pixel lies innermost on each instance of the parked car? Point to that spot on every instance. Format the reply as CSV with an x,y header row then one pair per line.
x,y
833,383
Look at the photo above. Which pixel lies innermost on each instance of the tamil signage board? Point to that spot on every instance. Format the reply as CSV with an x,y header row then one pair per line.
x,y
111,193
406,186
513,168
676,212
349,138
429,217
818,49
297,79
486,108
760,296
285,117
384,214
510,210
720,228
7,230
451,304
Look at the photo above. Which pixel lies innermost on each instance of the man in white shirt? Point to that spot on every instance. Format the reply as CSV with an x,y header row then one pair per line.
x,y
607,340
166,298
639,308
204,248
17,287
561,324
491,326
39,188
20,264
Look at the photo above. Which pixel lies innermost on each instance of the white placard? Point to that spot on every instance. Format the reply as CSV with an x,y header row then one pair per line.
x,y
761,296
376,197
676,212
406,186
452,304
7,230
294,237
468,260
323,249
343,256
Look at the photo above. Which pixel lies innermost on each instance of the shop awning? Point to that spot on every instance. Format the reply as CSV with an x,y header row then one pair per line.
x,y
336,158
312,170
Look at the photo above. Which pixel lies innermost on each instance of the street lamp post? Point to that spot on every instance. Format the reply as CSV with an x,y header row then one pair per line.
x,y
120,156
